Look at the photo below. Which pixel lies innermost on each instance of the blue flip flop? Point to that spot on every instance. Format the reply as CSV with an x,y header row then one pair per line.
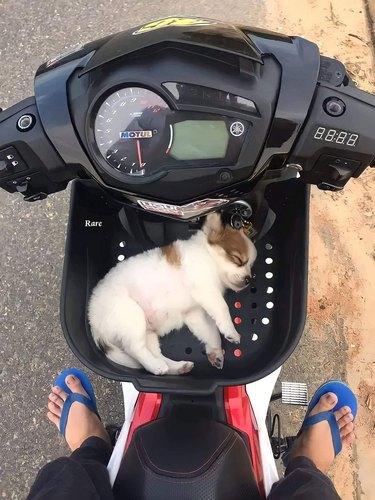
x,y
90,401
345,397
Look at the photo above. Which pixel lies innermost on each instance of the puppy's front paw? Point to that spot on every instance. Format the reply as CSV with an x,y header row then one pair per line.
x,y
185,367
233,337
216,358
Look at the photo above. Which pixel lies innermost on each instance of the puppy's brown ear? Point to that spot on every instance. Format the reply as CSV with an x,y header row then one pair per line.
x,y
213,227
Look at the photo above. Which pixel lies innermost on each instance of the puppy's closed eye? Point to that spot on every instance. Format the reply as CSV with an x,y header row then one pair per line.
x,y
237,259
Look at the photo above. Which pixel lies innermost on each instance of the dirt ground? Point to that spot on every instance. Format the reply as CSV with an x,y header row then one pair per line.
x,y
341,320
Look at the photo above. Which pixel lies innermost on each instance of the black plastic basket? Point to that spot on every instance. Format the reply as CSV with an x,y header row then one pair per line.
x,y
269,314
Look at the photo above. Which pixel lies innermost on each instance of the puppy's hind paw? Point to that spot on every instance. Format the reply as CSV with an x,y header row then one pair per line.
x,y
160,368
185,367
216,358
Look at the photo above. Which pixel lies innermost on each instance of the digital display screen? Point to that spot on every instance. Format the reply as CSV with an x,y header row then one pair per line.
x,y
186,93
199,140
336,136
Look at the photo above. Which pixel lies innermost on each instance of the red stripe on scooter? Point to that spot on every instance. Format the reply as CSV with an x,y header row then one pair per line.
x,y
146,409
240,415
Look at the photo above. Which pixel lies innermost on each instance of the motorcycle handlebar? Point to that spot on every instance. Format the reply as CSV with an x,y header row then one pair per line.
x,y
29,164
334,143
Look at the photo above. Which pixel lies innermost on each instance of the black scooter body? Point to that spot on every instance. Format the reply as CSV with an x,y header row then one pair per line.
x,y
303,118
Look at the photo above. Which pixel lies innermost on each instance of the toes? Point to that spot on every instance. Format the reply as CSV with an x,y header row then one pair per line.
x,y
346,419
348,439
186,367
54,419
217,362
233,338
342,412
75,385
160,369
326,403
54,398
216,358
59,392
346,430
53,408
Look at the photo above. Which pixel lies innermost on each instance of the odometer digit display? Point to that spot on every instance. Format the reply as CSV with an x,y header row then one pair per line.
x,y
336,136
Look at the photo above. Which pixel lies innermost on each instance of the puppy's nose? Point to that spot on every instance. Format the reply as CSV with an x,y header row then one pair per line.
x,y
247,280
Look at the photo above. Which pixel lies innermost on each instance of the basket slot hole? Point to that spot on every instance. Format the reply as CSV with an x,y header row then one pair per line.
x,y
269,260
237,320
122,244
268,246
253,289
121,258
254,305
265,321
188,350
237,305
253,321
269,305
269,275
237,353
269,290
254,337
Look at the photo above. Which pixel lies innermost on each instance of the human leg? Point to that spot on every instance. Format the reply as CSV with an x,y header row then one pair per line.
x,y
311,456
83,475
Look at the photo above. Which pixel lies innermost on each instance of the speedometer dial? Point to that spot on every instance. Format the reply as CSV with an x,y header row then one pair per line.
x,y
128,128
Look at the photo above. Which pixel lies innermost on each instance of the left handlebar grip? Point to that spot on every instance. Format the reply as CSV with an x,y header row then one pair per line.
x,y
29,164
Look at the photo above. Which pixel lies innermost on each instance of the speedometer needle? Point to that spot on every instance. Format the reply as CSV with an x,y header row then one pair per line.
x,y
139,153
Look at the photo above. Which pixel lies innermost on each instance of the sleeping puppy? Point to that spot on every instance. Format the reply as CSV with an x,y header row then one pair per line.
x,y
149,295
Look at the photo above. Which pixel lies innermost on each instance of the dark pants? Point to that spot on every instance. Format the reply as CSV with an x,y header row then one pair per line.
x,y
83,476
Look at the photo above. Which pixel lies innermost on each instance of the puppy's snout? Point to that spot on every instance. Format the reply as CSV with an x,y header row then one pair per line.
x,y
247,280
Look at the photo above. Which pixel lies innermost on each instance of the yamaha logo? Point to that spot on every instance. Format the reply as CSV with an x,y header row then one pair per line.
x,y
237,129
136,134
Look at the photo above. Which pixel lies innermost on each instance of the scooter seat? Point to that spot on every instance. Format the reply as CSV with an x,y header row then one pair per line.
x,y
176,459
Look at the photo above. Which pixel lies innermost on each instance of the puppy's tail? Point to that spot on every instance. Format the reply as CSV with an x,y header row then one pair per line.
x,y
117,354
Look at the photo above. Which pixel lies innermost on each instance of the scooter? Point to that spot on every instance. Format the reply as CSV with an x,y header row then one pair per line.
x,y
157,126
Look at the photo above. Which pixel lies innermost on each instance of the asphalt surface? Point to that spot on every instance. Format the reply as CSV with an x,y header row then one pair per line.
x,y
32,348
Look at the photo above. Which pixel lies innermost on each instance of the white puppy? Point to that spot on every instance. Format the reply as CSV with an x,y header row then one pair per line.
x,y
149,295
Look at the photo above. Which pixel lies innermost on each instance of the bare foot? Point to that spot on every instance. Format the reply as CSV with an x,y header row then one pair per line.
x,y
315,442
82,423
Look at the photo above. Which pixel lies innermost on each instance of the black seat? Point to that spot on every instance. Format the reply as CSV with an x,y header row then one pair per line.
x,y
173,459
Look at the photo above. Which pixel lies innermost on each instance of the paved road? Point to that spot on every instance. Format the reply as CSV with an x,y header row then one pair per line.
x,y
32,348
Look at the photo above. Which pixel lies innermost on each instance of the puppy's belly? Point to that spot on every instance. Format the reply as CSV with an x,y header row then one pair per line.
x,y
163,322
